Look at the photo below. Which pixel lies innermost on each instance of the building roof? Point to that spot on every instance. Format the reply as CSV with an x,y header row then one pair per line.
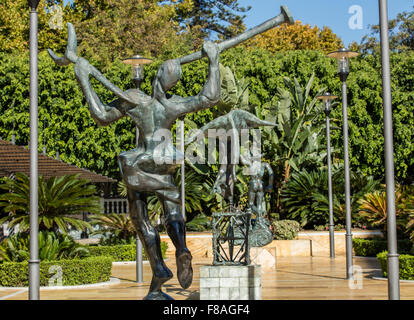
x,y
15,158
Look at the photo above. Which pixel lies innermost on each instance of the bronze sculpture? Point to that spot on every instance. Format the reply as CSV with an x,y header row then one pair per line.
x,y
142,169
139,168
260,233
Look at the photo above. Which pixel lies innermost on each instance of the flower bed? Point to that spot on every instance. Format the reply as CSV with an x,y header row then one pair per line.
x,y
406,265
73,272
124,252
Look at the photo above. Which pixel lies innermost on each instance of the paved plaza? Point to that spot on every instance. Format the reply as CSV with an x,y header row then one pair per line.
x,y
294,278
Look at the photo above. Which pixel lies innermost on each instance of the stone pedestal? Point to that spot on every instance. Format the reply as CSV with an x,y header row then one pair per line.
x,y
230,282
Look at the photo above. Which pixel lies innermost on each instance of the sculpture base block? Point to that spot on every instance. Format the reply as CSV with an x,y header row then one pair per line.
x,y
231,282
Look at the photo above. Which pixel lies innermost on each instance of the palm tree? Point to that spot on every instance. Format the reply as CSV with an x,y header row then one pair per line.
x,y
59,199
52,246
305,195
373,208
117,227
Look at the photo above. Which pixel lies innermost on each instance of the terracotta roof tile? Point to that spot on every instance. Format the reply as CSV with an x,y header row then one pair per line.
x,y
15,158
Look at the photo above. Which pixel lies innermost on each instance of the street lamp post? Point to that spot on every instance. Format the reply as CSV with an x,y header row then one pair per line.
x,y
392,258
34,270
343,56
136,63
327,98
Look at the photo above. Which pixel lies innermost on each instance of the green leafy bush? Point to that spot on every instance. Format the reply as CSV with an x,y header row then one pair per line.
x,y
371,247
74,272
285,229
71,131
52,246
125,252
406,265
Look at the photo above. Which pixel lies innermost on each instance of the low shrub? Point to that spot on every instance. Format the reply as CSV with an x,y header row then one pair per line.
x,y
371,247
74,272
52,246
337,227
285,229
406,262
126,252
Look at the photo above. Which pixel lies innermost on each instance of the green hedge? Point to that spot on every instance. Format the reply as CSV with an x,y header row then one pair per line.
x,y
371,247
285,229
406,265
74,272
122,252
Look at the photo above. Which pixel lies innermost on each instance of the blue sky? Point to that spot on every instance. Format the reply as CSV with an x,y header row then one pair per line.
x,y
332,13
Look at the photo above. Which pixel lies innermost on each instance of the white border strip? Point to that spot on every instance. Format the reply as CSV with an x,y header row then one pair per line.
x,y
401,280
13,294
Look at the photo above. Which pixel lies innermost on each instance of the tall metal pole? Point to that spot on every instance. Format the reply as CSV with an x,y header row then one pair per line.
x,y
138,261
348,217
393,260
182,169
331,221
34,270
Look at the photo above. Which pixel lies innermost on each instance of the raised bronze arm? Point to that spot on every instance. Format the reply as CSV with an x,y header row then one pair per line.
x,y
102,114
284,17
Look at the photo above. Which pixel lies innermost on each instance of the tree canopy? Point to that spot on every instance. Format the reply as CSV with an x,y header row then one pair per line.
x,y
401,35
297,37
215,17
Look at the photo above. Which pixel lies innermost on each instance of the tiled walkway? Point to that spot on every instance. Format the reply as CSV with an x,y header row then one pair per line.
x,y
298,278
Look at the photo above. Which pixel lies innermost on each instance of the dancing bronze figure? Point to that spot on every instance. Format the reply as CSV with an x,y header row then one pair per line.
x,y
144,169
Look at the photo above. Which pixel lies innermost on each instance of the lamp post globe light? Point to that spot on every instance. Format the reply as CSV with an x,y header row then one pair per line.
x,y
343,56
34,263
136,63
327,99
137,74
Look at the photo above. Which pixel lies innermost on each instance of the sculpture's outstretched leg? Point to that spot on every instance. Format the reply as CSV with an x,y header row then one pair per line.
x,y
151,240
176,231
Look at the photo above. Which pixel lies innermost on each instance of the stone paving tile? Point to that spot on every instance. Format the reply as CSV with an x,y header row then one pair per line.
x,y
294,278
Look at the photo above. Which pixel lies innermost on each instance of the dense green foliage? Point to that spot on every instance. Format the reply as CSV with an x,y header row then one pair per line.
x,y
285,229
406,263
371,247
74,272
199,223
52,246
125,252
71,130
59,199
